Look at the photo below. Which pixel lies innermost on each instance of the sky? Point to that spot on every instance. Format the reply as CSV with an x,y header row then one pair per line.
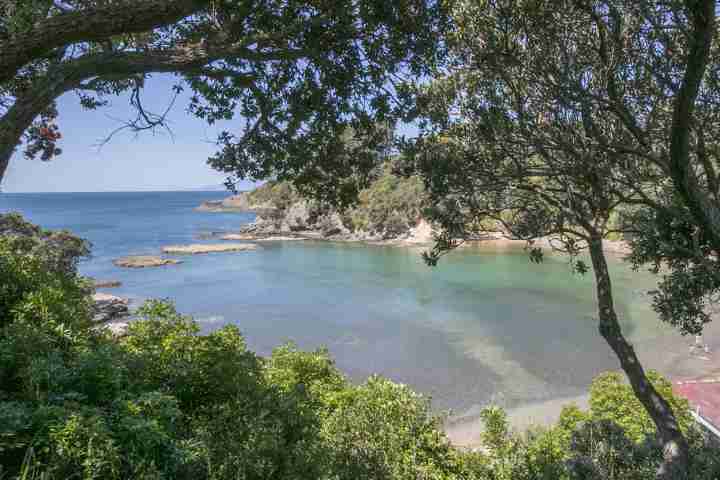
x,y
128,162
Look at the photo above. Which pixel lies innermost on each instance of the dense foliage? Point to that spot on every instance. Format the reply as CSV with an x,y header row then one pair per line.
x,y
59,250
613,440
390,205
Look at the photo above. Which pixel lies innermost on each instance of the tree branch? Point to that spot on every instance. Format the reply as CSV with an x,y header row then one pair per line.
x,y
95,24
702,14
67,76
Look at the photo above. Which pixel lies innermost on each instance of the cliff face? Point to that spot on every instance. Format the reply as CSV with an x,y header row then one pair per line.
x,y
306,220
301,216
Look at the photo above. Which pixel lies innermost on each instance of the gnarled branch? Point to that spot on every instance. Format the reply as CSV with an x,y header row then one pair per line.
x,y
94,24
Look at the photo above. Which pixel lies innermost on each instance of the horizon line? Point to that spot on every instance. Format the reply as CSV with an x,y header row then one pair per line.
x,y
186,190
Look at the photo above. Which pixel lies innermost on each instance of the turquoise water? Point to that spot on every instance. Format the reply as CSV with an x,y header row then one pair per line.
x,y
485,325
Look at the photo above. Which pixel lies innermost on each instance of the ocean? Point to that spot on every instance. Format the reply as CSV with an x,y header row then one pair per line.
x,y
486,325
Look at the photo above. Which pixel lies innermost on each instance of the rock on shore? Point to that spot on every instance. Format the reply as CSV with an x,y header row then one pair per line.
x,y
111,313
144,261
109,307
209,248
117,329
295,224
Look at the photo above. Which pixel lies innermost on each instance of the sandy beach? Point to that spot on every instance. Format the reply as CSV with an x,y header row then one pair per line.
x,y
671,356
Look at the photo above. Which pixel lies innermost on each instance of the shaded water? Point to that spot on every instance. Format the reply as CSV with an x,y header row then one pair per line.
x,y
485,325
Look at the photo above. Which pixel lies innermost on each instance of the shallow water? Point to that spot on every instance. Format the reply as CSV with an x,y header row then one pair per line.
x,y
484,325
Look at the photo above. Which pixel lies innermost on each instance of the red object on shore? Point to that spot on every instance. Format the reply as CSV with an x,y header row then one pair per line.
x,y
704,397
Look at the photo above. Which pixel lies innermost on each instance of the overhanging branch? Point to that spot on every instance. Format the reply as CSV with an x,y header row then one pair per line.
x,y
95,24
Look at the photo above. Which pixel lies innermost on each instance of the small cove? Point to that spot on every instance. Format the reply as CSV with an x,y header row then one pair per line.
x,y
486,325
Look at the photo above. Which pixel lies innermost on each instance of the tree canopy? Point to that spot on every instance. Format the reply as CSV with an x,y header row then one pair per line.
x,y
297,74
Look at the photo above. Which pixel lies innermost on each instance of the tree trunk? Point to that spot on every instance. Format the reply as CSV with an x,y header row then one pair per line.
x,y
675,447
685,180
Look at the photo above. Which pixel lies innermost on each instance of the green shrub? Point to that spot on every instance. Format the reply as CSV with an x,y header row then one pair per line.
x,y
611,398
32,293
83,445
386,431
613,440
59,251
389,206
275,194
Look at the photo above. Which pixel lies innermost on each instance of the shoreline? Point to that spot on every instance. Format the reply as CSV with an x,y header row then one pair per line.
x,y
419,236
670,356
464,431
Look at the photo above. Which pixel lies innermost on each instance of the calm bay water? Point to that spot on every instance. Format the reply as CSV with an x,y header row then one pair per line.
x,y
485,325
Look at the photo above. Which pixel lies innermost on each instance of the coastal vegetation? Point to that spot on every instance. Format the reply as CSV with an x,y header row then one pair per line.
x,y
168,402
388,208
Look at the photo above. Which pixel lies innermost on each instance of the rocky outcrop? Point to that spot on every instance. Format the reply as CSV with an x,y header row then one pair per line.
x,y
196,249
111,313
299,222
144,261
296,218
107,307
387,211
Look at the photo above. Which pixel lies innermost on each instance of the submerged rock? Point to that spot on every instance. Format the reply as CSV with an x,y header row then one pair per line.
x,y
261,238
106,283
109,307
212,248
143,261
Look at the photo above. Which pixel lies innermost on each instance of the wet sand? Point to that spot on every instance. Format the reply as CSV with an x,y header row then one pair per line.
x,y
671,356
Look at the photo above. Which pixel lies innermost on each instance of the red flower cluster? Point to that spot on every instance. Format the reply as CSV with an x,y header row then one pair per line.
x,y
49,134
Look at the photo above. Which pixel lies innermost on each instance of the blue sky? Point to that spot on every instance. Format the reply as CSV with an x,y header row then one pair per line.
x,y
146,162
128,162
